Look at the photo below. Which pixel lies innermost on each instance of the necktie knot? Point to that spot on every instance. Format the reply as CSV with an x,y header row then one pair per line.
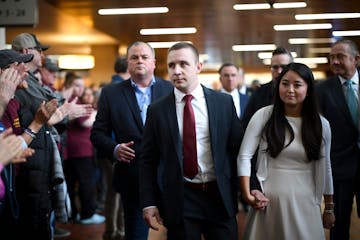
x,y
188,97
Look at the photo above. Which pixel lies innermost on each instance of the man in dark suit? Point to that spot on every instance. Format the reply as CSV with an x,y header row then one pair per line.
x,y
203,200
229,78
260,98
333,93
118,129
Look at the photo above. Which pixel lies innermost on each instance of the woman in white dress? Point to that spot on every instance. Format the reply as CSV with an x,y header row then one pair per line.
x,y
293,163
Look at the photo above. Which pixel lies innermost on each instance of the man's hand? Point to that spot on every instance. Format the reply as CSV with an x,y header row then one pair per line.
x,y
9,80
45,111
10,146
78,110
260,201
125,153
149,215
21,157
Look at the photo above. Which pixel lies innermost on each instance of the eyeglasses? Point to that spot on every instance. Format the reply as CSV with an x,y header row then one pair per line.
x,y
277,67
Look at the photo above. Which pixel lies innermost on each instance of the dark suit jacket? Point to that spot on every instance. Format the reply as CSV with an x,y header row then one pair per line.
x,y
261,97
344,150
161,170
243,103
119,121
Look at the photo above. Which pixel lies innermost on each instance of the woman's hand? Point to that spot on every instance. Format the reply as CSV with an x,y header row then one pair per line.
x,y
328,219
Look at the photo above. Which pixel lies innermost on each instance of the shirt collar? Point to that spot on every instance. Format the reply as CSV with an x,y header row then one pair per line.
x,y
134,85
197,93
354,78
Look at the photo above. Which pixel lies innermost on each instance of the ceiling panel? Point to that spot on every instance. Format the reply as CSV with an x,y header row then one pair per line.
x,y
218,25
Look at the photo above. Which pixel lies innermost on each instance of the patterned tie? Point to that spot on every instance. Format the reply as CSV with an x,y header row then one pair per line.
x,y
189,139
351,101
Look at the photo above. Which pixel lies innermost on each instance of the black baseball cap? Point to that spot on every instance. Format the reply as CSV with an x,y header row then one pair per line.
x,y
8,56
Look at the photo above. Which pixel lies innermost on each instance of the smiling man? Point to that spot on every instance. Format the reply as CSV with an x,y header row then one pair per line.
x,y
338,98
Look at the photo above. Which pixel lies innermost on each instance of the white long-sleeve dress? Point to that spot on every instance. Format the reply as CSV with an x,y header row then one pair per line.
x,y
293,185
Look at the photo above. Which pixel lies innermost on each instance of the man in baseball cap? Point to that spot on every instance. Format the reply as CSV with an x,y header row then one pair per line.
x,y
48,73
8,56
27,40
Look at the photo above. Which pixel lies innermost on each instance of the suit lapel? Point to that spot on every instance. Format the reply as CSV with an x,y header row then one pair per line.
x,y
171,117
210,104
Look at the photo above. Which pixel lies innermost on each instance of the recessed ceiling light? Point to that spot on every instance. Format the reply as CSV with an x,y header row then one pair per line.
x,y
163,44
264,55
160,31
290,5
76,61
292,27
256,47
311,40
251,6
257,6
346,33
120,11
317,60
326,16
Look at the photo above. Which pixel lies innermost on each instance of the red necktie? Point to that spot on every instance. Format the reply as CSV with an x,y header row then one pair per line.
x,y
189,139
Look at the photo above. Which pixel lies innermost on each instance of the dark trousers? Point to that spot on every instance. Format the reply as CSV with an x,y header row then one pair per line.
x,y
344,192
127,185
204,214
81,171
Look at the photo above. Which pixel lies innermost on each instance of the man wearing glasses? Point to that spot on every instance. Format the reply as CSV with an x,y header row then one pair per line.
x,y
260,98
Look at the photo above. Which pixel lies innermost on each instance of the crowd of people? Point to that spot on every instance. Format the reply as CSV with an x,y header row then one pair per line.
x,y
176,153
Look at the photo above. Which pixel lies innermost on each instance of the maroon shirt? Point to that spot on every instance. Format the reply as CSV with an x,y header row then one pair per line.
x,y
78,142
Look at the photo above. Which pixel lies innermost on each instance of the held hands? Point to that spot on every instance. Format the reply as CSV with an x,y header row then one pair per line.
x,y
125,153
257,200
328,218
149,214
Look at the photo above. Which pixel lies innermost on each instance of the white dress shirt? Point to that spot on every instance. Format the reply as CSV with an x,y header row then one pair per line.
x,y
236,99
205,162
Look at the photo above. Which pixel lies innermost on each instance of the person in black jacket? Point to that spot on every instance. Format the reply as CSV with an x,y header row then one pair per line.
x,y
262,97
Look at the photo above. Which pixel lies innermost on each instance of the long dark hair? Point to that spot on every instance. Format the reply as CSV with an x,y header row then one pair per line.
x,y
311,128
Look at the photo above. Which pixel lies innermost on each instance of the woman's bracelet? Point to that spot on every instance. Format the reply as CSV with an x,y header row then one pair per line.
x,y
329,211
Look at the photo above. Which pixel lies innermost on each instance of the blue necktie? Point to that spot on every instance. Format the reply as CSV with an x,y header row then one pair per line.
x,y
352,101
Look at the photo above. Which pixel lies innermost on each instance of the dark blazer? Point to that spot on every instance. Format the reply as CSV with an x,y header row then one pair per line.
x,y
344,149
119,121
260,98
161,163
243,103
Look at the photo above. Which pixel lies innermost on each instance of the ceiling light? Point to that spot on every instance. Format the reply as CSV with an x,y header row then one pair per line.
x,y
316,60
76,61
120,11
160,31
264,55
163,44
256,47
251,6
291,27
290,5
258,6
319,50
346,33
326,16
311,40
